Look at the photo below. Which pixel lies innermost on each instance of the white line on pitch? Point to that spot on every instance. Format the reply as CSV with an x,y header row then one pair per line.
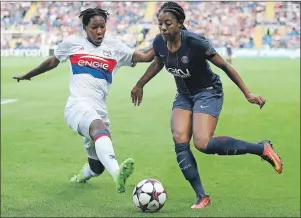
x,y
7,101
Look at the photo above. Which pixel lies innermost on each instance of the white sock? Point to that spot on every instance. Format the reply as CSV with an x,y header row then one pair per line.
x,y
88,172
106,155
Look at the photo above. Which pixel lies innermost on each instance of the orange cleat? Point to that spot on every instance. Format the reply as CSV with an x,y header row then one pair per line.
x,y
271,156
201,202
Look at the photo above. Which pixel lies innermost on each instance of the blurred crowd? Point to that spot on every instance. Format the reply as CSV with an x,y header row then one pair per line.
x,y
60,19
222,22
235,22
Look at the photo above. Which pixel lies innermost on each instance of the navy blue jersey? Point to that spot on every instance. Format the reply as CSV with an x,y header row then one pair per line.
x,y
189,64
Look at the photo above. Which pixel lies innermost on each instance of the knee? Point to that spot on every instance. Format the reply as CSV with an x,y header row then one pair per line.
x,y
96,166
179,137
95,127
201,143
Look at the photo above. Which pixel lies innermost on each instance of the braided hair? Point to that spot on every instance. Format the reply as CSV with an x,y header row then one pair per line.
x,y
87,14
175,9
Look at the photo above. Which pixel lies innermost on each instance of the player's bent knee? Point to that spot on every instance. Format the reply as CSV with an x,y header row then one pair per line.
x,y
180,137
96,166
201,144
95,127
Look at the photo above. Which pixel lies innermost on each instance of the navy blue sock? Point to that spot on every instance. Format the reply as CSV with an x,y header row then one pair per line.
x,y
189,167
224,145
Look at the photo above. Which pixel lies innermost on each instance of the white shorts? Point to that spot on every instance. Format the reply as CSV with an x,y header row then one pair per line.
x,y
79,117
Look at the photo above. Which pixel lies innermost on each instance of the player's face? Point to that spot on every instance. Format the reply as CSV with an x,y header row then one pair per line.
x,y
96,29
168,25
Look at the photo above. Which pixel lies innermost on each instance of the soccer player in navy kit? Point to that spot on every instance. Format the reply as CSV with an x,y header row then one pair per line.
x,y
199,97
229,52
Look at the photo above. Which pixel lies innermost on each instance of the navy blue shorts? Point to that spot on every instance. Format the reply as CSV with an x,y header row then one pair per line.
x,y
208,101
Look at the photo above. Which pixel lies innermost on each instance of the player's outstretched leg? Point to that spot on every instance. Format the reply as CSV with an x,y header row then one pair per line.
x,y
225,145
271,156
105,153
203,129
126,169
91,169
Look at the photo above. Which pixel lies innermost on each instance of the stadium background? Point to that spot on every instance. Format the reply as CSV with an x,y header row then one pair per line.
x,y
248,25
39,153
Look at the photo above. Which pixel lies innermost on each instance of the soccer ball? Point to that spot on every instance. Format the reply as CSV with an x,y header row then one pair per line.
x,y
149,195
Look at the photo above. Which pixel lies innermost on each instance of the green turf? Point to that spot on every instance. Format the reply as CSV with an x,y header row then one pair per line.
x,y
40,152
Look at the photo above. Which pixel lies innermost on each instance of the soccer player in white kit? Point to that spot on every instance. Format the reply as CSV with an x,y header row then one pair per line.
x,y
94,59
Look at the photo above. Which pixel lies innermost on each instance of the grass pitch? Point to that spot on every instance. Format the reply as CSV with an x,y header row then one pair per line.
x,y
39,152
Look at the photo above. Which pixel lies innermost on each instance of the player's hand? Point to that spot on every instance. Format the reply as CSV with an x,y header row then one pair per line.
x,y
256,99
137,94
21,77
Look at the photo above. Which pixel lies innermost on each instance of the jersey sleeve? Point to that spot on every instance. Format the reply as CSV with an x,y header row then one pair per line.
x,y
156,45
206,47
62,53
125,55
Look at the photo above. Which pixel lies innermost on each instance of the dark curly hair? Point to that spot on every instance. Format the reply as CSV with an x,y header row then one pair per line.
x,y
175,9
87,14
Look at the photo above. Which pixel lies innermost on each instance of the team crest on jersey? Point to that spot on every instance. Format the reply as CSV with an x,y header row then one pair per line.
x,y
77,49
107,53
210,51
184,59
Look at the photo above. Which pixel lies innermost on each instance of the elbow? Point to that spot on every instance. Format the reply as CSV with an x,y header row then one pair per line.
x,y
51,65
54,65
224,67
149,59
142,57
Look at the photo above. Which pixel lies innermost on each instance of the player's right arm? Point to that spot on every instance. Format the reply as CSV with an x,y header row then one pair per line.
x,y
49,64
137,92
61,54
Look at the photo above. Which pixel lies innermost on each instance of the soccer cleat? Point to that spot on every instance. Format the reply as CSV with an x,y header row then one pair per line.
x,y
271,156
125,170
201,202
80,178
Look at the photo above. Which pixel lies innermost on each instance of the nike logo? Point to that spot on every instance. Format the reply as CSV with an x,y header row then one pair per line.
x,y
182,161
111,156
162,56
202,106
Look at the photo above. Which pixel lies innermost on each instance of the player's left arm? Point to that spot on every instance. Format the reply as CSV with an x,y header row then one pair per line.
x,y
221,63
145,55
130,57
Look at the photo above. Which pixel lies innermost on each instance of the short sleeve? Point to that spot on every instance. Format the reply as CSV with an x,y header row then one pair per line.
x,y
125,55
206,47
155,45
62,53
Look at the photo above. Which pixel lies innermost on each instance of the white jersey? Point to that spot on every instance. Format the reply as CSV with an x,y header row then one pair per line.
x,y
92,67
